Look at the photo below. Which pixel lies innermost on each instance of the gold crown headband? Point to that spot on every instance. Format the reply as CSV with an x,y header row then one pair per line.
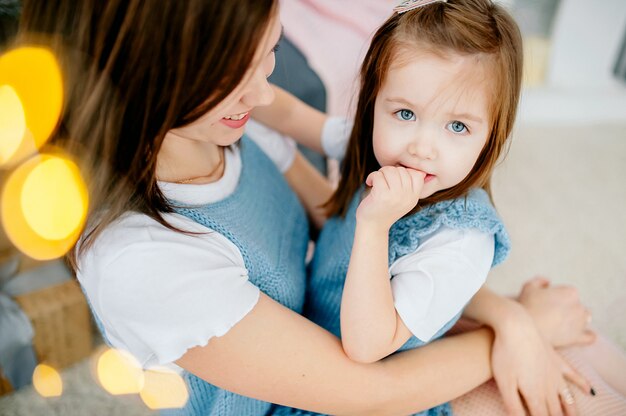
x,y
407,5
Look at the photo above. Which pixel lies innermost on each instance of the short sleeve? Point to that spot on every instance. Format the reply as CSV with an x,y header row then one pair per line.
x,y
159,292
433,284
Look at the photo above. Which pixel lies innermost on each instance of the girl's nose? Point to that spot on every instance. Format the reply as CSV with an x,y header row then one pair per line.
x,y
423,146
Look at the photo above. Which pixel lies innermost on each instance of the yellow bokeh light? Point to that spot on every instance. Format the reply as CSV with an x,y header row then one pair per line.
x,y
164,389
54,204
12,123
47,381
44,206
119,372
34,75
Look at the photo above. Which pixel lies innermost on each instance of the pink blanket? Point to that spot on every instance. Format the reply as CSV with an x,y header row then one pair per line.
x,y
334,35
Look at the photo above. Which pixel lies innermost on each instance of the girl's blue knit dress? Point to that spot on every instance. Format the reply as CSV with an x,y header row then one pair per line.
x,y
332,254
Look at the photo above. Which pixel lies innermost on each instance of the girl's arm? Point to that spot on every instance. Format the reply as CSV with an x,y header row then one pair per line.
x,y
276,355
370,325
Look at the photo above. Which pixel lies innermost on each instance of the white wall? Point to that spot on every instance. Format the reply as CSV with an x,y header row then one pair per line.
x,y
579,85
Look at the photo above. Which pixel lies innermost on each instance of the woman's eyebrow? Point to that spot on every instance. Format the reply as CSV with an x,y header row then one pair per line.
x,y
281,37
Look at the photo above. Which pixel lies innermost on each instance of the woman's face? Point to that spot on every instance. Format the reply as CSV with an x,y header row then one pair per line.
x,y
224,124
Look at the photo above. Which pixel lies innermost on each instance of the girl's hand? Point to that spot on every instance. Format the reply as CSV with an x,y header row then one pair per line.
x,y
394,192
527,369
557,312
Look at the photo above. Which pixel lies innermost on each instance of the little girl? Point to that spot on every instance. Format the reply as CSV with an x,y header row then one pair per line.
x,y
398,261
436,107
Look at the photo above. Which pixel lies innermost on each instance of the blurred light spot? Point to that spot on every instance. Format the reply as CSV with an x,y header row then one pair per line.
x,y
119,372
44,205
12,123
164,389
47,381
53,201
34,74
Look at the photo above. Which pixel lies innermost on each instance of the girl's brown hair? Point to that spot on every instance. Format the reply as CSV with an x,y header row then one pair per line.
x,y
134,70
467,27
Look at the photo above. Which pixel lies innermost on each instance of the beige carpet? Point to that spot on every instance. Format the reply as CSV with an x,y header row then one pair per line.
x,y
562,194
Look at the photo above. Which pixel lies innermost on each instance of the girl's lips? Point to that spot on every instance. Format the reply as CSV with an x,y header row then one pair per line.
x,y
428,176
235,124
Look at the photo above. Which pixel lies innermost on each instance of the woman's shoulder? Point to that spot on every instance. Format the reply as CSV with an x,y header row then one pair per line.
x,y
135,238
146,282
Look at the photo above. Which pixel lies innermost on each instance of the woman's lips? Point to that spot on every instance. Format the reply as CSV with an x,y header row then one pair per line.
x,y
236,124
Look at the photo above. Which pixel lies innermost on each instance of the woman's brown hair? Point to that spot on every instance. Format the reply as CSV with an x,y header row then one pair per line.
x,y
467,27
134,70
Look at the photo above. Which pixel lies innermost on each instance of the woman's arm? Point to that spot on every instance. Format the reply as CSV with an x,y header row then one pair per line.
x,y
294,118
312,188
525,365
276,355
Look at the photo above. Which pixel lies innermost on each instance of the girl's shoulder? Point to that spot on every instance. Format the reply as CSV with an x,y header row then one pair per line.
x,y
473,211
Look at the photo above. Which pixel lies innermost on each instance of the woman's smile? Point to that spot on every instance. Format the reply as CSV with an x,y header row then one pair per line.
x,y
236,121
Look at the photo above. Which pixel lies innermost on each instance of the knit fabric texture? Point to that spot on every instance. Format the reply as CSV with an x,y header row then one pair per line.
x,y
332,254
265,220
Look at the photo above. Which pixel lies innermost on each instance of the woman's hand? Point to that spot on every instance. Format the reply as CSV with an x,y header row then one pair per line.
x,y
557,312
527,369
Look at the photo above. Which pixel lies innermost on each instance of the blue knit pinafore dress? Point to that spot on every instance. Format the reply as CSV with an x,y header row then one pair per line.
x,y
332,254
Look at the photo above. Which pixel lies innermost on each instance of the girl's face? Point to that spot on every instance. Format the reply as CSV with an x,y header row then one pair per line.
x,y
224,124
431,114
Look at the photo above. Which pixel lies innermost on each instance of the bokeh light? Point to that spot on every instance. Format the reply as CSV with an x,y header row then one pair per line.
x,y
53,205
164,389
12,123
44,206
47,381
119,372
35,77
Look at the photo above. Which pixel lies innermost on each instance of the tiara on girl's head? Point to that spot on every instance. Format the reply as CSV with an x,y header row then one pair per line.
x,y
407,5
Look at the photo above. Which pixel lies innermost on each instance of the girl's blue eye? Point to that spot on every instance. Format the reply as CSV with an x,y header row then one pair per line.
x,y
457,127
406,115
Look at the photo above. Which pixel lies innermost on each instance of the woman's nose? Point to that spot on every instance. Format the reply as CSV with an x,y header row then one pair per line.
x,y
259,92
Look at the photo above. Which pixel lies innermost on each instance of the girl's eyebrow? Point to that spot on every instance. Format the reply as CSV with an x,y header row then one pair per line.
x,y
467,116
401,101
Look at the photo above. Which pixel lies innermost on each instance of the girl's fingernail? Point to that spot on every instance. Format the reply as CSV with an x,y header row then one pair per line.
x,y
592,391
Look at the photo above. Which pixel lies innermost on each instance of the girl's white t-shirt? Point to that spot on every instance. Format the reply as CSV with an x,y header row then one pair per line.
x,y
159,293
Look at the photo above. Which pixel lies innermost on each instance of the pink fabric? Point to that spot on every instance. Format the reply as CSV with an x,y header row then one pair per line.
x,y
334,36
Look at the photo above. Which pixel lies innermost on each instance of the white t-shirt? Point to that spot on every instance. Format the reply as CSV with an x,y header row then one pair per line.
x,y
159,293
433,284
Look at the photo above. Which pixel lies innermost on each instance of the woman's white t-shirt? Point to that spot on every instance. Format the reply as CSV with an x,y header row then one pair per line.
x,y
159,293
